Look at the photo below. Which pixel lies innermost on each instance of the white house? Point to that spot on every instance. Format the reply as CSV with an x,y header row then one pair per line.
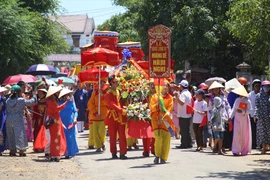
x,y
80,28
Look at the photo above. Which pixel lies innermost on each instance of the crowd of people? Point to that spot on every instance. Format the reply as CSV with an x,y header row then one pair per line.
x,y
51,116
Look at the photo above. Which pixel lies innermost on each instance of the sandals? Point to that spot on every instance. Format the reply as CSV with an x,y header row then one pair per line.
x,y
12,154
55,159
22,154
135,146
98,150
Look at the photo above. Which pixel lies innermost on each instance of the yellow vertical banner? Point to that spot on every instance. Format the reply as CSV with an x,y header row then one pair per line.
x,y
78,68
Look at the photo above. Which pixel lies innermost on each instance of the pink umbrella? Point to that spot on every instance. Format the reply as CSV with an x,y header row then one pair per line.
x,y
19,77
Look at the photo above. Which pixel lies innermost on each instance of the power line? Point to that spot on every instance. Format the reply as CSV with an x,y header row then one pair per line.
x,y
93,16
105,14
90,10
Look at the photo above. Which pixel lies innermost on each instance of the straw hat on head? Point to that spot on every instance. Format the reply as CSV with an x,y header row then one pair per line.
x,y
43,90
39,83
3,89
215,84
8,87
64,91
52,90
241,91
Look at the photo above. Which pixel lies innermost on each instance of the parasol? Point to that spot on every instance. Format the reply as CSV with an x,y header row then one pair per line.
x,y
41,69
19,77
64,80
92,75
49,82
218,79
100,57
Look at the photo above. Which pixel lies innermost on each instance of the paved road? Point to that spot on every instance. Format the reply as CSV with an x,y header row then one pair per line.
x,y
182,165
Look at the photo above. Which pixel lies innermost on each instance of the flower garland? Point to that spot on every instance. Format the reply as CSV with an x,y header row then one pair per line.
x,y
134,87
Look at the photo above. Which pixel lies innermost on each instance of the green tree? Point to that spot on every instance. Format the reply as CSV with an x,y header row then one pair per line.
x,y
42,6
249,20
199,34
124,25
26,38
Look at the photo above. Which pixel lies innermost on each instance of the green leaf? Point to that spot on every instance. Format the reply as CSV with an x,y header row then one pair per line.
x,y
124,94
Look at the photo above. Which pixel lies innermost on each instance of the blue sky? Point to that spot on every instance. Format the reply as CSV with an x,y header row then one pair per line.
x,y
100,10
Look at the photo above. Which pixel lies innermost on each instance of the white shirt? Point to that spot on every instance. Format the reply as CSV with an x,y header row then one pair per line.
x,y
185,97
199,106
252,97
236,106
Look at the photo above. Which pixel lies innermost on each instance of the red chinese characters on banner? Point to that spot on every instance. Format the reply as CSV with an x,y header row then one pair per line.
x,y
159,51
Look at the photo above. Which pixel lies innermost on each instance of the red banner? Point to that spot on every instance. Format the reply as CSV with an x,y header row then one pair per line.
x,y
159,51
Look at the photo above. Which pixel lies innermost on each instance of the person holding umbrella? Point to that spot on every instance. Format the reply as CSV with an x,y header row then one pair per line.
x,y
99,131
16,132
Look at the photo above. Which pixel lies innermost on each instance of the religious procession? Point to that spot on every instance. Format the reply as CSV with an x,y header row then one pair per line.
x,y
120,97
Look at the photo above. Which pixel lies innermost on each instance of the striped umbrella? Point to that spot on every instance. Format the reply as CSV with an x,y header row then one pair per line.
x,y
41,69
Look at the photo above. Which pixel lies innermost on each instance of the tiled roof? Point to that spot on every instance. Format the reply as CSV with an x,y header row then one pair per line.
x,y
64,58
90,26
76,23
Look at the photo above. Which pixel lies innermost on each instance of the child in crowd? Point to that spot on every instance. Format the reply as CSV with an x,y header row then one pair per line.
x,y
200,107
218,124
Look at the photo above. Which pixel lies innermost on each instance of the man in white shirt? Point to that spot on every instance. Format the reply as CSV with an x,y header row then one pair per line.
x,y
256,85
184,99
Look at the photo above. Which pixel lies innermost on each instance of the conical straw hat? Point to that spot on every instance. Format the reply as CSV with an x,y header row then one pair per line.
x,y
64,91
52,90
232,84
43,90
215,84
241,91
3,89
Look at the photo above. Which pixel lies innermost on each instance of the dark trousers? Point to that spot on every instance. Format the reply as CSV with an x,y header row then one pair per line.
x,y
228,136
185,132
205,134
253,132
198,131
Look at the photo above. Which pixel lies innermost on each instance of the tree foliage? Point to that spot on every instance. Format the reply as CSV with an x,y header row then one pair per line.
x,y
42,6
26,38
123,23
249,20
199,34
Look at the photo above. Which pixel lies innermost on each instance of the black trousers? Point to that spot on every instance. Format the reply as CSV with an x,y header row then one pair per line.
x,y
198,134
228,136
185,132
253,132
